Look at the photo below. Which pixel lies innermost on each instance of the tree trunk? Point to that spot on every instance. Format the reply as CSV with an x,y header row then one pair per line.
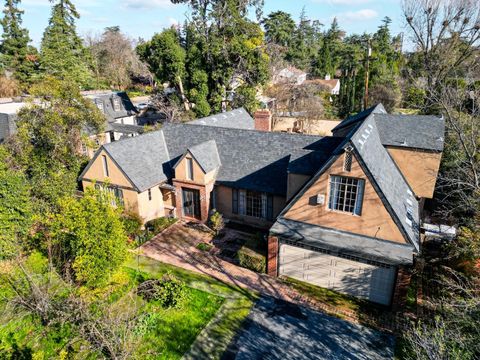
x,y
185,101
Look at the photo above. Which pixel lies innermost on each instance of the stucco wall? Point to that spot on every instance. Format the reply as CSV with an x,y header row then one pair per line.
x,y
419,167
130,197
198,175
151,209
116,176
375,221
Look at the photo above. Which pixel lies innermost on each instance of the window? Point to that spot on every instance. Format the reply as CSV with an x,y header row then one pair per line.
x,y
105,165
100,106
149,194
116,104
115,193
346,194
347,164
189,168
252,203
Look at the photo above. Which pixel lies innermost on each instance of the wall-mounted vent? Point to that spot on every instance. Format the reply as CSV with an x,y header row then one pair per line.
x,y
347,162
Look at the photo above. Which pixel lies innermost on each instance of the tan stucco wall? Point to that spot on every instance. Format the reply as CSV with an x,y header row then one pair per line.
x,y
116,177
151,209
375,220
419,167
295,183
199,176
224,206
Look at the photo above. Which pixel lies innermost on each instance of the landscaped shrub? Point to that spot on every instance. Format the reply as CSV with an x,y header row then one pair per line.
x,y
204,246
158,225
216,222
132,223
252,260
169,291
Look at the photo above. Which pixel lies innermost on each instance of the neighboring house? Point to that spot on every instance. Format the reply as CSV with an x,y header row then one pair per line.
x,y
344,211
120,113
289,75
8,117
333,85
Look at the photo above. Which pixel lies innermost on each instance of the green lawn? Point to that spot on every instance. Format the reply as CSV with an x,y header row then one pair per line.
x,y
212,310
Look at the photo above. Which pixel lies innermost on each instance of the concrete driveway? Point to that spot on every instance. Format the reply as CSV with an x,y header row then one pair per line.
x,y
276,329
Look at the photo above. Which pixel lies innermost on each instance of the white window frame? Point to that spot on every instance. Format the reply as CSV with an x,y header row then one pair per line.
x,y
117,106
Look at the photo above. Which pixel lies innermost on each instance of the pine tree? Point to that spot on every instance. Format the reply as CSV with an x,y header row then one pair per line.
x,y
62,52
15,52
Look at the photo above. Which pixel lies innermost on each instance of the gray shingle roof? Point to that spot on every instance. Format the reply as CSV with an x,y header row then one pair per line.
x,y
142,159
379,109
413,131
126,106
124,128
343,243
236,119
390,181
206,154
252,160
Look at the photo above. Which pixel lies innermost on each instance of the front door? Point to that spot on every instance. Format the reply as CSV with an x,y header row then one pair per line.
x,y
191,203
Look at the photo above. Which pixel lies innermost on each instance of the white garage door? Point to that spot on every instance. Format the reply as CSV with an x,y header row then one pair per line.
x,y
371,282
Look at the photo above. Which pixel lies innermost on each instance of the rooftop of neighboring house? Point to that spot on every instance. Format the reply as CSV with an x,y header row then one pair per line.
x,y
330,83
8,116
114,105
238,119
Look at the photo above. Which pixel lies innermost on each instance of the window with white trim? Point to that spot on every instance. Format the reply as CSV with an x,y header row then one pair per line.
x,y
252,203
100,105
115,194
346,194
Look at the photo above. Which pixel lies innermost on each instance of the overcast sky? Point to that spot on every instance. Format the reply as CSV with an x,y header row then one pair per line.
x,y
143,18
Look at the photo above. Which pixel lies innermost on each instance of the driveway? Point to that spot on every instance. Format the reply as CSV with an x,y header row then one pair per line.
x,y
276,329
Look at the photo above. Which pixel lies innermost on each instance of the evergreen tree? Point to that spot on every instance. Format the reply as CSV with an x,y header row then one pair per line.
x,y
62,52
279,28
328,57
16,56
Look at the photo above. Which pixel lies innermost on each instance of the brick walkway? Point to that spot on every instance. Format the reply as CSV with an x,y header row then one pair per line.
x,y
176,246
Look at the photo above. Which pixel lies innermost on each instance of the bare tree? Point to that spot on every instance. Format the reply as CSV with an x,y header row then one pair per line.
x,y
445,32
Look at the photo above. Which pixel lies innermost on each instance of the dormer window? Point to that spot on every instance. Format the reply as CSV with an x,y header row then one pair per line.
x,y
116,104
346,194
100,106
189,170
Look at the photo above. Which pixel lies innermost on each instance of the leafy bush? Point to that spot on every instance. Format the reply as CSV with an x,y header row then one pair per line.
x,y
204,246
216,222
132,223
158,225
169,291
249,259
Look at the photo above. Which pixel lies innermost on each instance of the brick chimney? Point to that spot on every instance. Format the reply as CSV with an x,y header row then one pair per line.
x,y
263,120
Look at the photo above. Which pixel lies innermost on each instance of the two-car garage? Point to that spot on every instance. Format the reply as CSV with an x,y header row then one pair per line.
x,y
357,277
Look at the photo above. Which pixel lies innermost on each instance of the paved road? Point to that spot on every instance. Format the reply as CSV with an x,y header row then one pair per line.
x,y
276,329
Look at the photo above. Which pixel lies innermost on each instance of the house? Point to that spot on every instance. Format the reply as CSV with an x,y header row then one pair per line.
x,y
8,117
120,114
343,212
333,85
289,75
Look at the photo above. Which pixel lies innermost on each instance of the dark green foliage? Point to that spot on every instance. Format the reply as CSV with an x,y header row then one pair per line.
x,y
49,138
279,28
328,58
132,223
251,259
169,291
16,57
156,226
62,52
414,98
15,208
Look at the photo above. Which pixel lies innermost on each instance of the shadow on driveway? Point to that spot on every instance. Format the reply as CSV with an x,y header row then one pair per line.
x,y
276,329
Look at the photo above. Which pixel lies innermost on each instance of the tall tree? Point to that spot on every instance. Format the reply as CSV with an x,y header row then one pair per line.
x,y
62,52
279,28
166,59
231,47
16,57
50,134
329,55
115,59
